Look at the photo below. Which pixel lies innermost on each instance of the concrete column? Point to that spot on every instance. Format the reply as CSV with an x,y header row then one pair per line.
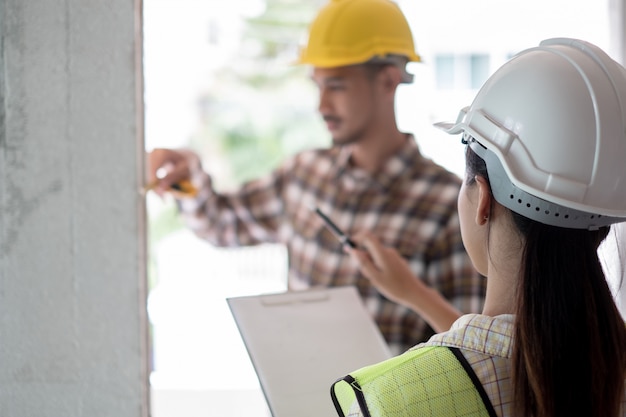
x,y
617,19
73,328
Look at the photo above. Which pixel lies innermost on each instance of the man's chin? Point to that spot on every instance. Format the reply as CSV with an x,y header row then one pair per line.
x,y
342,140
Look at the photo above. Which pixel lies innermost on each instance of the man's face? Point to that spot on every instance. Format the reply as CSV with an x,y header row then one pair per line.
x,y
347,101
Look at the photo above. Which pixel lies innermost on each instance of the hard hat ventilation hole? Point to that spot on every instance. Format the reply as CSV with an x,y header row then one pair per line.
x,y
548,212
533,207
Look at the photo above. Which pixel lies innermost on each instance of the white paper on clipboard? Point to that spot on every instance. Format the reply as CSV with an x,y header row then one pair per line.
x,y
301,342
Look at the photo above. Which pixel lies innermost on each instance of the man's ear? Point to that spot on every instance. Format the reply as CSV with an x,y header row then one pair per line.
x,y
483,208
391,76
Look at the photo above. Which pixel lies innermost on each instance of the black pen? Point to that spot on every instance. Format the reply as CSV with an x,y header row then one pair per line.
x,y
343,238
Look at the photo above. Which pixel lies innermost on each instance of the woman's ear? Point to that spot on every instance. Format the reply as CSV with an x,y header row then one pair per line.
x,y
483,208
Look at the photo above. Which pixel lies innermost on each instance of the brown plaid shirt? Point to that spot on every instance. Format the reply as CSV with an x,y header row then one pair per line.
x,y
410,204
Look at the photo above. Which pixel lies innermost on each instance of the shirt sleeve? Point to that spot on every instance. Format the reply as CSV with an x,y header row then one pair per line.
x,y
251,215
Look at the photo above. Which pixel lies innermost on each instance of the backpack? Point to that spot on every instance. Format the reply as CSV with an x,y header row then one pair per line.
x,y
428,381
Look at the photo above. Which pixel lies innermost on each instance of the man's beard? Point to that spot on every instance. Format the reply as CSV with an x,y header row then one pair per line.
x,y
348,139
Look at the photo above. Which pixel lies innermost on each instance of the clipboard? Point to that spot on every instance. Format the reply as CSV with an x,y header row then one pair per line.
x,y
301,342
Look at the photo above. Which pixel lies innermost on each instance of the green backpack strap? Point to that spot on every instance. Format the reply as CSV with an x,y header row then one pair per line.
x,y
429,381
472,375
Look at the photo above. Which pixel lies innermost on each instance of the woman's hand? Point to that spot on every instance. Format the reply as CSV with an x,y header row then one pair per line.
x,y
385,268
392,276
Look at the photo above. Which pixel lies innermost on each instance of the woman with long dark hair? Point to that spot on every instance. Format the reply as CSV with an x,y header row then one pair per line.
x,y
546,177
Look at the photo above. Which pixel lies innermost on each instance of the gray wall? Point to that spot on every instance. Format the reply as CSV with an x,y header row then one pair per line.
x,y
618,52
617,23
73,332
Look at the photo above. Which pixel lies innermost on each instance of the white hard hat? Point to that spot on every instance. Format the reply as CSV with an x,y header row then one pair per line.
x,y
550,124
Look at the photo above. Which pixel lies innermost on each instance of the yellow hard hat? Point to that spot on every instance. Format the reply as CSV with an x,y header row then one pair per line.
x,y
349,32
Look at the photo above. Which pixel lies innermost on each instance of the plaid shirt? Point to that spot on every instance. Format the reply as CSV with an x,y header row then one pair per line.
x,y
410,204
487,344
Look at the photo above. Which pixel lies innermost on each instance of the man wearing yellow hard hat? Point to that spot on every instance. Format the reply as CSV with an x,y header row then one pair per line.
x,y
373,183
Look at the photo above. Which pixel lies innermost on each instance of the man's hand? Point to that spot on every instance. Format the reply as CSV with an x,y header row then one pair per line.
x,y
171,170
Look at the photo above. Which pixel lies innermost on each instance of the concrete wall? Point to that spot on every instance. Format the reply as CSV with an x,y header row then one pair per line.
x,y
617,20
73,333
618,52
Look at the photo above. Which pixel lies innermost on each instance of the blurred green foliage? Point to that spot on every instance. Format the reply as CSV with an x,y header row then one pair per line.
x,y
259,109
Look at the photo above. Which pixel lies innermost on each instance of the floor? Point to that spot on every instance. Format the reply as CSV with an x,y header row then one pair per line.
x,y
205,403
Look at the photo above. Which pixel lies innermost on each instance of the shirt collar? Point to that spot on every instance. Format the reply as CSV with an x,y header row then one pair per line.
x,y
398,164
485,334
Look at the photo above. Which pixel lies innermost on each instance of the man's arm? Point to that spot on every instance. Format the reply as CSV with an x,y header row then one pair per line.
x,y
248,216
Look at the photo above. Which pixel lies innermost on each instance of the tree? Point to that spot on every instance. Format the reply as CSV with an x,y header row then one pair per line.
x,y
261,108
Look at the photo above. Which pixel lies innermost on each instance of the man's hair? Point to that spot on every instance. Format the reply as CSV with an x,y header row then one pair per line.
x,y
375,64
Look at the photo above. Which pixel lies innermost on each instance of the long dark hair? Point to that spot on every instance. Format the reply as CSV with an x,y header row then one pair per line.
x,y
569,356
